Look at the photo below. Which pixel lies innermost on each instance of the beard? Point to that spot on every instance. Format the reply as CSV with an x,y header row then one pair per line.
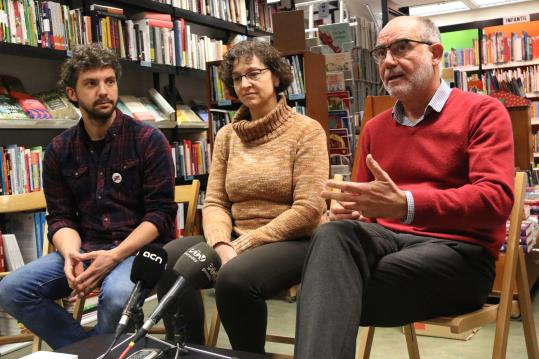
x,y
420,78
97,114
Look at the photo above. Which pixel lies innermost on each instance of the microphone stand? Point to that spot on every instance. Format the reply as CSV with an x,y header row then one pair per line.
x,y
179,340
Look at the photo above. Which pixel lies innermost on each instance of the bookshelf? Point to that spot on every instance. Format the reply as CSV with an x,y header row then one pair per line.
x,y
314,99
31,133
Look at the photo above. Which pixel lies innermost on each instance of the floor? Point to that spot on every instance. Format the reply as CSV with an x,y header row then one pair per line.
x,y
388,342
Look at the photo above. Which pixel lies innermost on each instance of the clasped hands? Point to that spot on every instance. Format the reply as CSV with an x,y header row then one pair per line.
x,y
83,281
380,198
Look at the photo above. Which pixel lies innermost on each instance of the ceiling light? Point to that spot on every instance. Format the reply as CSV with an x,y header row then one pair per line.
x,y
441,8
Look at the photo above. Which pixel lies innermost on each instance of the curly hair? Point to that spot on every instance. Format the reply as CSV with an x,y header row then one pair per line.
x,y
267,54
86,57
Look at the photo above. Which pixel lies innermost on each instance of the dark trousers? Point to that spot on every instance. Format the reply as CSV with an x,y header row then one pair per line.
x,y
241,290
363,274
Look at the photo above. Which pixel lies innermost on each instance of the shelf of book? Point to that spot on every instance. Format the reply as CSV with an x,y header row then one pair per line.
x,y
210,21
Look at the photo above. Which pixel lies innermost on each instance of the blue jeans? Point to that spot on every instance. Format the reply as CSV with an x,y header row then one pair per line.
x,y
28,294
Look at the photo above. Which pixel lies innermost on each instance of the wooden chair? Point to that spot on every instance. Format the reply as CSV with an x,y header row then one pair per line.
x,y
514,269
182,194
28,202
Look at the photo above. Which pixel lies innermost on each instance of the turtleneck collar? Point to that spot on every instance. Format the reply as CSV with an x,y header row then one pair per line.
x,y
265,128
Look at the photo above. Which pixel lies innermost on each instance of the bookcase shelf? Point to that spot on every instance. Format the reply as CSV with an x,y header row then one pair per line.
x,y
31,51
147,5
510,64
22,202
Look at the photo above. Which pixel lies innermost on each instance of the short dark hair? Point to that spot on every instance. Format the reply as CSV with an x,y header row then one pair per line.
x,y
87,57
269,56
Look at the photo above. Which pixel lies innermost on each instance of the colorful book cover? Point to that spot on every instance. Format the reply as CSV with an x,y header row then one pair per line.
x,y
339,142
34,108
339,100
335,35
335,81
10,109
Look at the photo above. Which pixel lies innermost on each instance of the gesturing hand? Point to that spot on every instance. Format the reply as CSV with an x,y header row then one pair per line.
x,y
380,198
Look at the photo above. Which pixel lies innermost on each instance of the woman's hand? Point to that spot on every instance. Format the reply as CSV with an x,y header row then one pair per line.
x,y
225,252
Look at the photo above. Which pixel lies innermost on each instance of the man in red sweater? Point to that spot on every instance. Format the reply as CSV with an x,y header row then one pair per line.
x,y
417,235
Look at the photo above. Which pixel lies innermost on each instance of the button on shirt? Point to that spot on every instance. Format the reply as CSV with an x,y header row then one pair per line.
x,y
436,104
106,194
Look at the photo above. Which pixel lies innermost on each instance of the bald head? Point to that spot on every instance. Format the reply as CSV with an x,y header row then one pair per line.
x,y
416,27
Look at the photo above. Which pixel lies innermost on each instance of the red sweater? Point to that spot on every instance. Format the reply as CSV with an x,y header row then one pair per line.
x,y
458,165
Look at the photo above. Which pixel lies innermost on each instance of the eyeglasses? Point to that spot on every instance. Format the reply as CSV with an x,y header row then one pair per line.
x,y
253,75
398,48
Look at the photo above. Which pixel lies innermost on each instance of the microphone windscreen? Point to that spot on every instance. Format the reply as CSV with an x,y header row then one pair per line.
x,y
199,265
148,266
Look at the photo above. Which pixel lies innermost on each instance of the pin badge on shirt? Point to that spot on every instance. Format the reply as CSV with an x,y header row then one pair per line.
x,y
116,177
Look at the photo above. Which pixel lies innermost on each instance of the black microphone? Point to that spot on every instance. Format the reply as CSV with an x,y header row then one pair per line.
x,y
148,266
198,266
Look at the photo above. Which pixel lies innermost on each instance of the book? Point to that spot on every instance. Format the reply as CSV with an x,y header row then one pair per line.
x,y
58,105
339,141
2,262
335,81
33,108
339,100
186,117
162,104
12,252
335,35
49,355
10,109
23,225
136,108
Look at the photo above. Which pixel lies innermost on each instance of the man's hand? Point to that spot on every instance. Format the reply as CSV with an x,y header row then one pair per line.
x,y
72,267
225,252
102,262
380,198
338,213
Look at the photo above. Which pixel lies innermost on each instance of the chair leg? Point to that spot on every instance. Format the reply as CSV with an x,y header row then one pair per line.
x,y
411,341
214,328
36,344
364,345
526,311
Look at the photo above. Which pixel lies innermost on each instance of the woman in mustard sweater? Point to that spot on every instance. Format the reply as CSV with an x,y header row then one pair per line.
x,y
262,201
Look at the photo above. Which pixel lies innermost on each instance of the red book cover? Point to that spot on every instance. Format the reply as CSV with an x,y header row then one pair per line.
x,y
152,15
160,23
7,190
2,262
34,108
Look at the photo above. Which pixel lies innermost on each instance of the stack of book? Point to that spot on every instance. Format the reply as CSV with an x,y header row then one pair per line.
x,y
297,87
227,10
499,47
191,158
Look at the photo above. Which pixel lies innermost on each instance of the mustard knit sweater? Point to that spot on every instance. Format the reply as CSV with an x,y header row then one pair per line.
x,y
266,178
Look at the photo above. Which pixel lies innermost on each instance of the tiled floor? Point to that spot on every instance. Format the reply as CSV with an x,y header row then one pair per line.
x,y
389,343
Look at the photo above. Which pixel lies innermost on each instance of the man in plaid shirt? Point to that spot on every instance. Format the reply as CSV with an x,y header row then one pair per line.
x,y
109,186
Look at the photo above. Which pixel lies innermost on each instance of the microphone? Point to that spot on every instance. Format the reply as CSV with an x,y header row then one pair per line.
x,y
198,266
148,266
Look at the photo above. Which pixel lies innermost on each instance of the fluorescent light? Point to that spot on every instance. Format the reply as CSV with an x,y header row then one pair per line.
x,y
487,3
440,8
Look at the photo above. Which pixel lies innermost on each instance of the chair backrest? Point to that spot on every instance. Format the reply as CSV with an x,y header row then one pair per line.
x,y
374,105
27,202
188,194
